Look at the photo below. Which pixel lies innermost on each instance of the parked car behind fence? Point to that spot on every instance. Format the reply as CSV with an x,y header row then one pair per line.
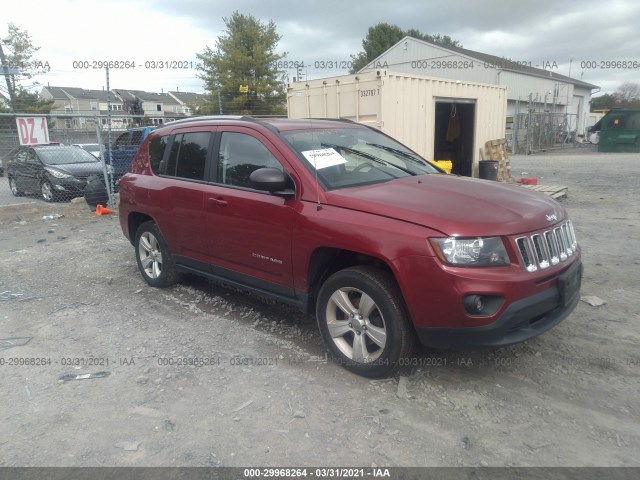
x,y
55,172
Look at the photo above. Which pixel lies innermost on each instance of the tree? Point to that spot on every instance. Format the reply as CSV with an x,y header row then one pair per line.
x,y
627,95
24,101
30,102
19,64
442,40
383,36
245,56
605,101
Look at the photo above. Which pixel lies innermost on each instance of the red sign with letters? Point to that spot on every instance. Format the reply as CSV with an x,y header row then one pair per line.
x,y
32,130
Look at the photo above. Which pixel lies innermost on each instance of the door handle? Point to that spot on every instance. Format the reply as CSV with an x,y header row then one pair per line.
x,y
216,201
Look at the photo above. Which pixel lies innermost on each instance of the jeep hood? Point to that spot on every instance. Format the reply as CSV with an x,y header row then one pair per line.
x,y
456,206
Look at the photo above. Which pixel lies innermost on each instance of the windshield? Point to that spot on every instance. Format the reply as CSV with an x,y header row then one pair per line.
x,y
347,157
64,155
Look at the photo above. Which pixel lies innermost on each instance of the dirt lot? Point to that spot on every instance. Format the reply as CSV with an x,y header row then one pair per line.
x,y
268,396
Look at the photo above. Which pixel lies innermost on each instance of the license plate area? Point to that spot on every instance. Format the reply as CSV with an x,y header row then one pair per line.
x,y
569,283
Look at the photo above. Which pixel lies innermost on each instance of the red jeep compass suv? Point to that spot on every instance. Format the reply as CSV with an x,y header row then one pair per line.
x,y
342,220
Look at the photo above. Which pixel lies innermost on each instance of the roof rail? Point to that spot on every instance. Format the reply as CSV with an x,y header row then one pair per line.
x,y
345,120
206,118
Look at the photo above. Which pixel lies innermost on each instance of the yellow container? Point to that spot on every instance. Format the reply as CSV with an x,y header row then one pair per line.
x,y
445,165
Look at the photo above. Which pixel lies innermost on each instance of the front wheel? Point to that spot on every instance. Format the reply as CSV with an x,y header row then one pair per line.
x,y
154,259
363,320
47,191
14,187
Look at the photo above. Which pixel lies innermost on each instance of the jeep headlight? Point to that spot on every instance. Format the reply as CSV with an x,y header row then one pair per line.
x,y
57,173
471,252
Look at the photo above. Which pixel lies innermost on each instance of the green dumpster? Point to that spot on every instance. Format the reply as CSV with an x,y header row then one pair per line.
x,y
620,131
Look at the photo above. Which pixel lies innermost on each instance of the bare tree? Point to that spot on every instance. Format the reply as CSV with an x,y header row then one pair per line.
x,y
627,95
18,63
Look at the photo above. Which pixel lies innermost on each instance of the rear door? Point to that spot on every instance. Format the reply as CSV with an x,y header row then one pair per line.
x,y
184,174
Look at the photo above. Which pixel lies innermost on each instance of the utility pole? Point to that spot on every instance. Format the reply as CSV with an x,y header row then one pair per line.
x,y
5,72
109,140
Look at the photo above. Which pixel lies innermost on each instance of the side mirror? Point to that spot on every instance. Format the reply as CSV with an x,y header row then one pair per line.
x,y
271,180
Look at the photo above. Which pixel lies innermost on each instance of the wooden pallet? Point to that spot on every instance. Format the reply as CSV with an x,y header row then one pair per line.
x,y
497,150
554,191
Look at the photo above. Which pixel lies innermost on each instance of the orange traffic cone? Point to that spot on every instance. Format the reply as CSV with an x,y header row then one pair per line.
x,y
100,210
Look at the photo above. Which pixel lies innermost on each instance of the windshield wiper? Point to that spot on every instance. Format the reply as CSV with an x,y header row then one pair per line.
x,y
399,153
368,156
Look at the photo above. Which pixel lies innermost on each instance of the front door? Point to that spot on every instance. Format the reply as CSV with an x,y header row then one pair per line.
x,y
249,230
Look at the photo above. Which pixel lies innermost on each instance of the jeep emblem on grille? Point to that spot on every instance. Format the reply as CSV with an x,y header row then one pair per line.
x,y
552,217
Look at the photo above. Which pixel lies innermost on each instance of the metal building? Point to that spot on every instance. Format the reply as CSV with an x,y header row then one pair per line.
x,y
531,85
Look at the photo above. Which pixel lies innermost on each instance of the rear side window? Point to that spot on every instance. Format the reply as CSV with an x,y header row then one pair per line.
x,y
188,155
157,146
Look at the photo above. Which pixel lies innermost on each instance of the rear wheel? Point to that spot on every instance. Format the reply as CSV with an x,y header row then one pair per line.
x,y
363,321
154,259
14,187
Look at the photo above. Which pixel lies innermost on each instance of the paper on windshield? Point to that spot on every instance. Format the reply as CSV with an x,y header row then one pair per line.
x,y
324,157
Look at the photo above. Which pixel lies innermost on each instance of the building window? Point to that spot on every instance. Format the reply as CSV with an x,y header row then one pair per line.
x,y
158,107
93,105
67,123
68,109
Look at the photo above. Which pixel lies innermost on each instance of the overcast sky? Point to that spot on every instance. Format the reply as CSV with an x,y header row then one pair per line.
x,y
320,30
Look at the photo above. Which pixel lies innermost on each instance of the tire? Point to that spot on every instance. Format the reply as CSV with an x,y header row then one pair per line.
x,y
383,333
154,259
46,191
14,187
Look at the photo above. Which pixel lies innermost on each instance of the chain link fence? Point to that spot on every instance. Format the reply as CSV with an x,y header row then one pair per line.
x,y
73,156
536,131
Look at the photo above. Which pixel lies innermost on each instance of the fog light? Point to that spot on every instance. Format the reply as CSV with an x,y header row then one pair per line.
x,y
474,304
481,305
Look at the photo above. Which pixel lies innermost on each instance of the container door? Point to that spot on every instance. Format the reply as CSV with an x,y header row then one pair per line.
x,y
454,134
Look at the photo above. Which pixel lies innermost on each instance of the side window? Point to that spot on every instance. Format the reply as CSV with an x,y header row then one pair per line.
x,y
21,156
31,157
157,146
188,155
173,156
240,155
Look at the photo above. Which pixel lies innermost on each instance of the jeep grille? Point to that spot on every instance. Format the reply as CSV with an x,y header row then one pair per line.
x,y
543,249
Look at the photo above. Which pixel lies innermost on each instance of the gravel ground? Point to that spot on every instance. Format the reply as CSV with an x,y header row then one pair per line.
x,y
266,394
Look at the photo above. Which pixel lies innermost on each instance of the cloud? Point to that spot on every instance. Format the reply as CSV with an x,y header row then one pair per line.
x,y
562,31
